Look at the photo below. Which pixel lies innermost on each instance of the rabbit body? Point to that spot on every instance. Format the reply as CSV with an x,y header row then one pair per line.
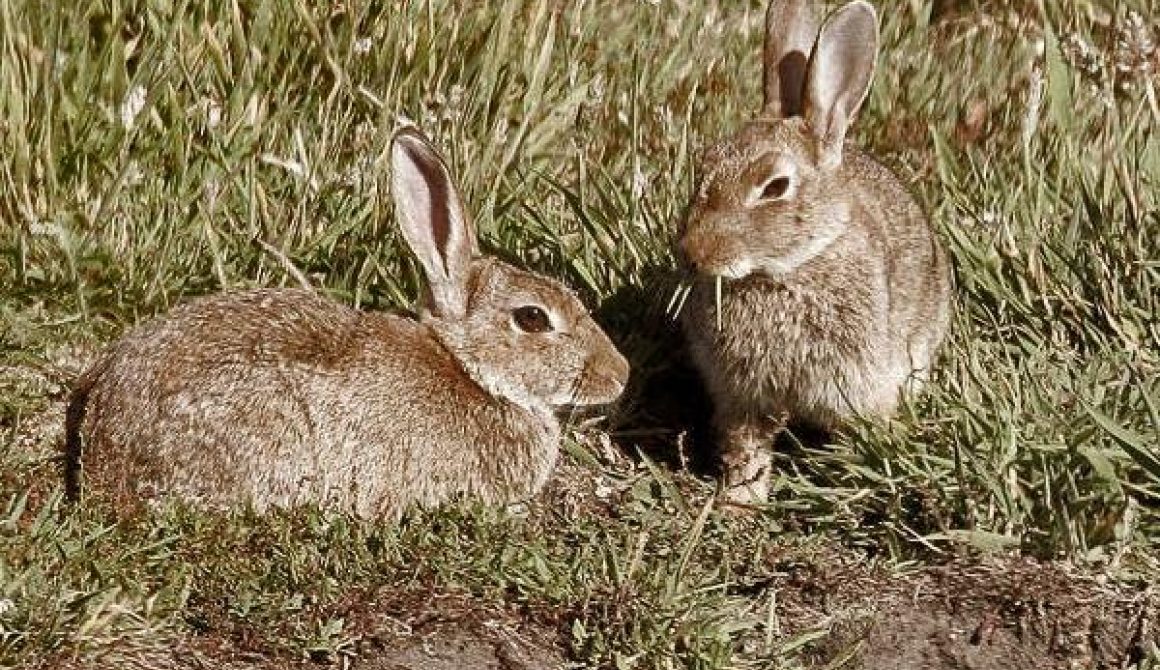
x,y
843,332
834,290
301,400
280,397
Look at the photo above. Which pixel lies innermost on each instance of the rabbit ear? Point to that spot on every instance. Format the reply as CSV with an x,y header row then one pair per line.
x,y
839,76
790,31
434,224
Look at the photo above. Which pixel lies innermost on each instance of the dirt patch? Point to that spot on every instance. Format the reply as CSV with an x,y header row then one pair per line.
x,y
995,612
965,615
447,647
930,639
448,633
980,615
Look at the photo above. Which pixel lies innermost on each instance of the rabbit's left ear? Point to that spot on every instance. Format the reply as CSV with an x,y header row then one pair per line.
x,y
433,221
839,76
790,30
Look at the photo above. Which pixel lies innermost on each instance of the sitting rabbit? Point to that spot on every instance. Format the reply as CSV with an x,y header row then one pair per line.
x,y
278,397
821,289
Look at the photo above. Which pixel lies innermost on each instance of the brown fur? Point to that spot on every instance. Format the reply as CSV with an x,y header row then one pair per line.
x,y
835,295
283,397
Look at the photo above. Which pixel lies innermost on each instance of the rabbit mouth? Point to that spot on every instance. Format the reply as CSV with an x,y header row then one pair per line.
x,y
598,390
594,388
725,257
728,269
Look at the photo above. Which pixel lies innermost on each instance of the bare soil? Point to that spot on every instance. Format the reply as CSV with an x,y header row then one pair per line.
x,y
446,634
982,614
965,615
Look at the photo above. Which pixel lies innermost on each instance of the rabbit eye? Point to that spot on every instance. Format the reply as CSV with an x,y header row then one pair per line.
x,y
531,319
775,188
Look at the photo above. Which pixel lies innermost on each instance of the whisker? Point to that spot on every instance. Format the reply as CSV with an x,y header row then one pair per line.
x,y
573,394
717,297
677,300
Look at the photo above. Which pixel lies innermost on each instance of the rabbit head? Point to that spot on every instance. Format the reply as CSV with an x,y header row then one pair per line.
x,y
775,195
518,335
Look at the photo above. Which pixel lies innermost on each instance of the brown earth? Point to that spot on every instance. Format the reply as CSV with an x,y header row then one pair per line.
x,y
443,635
966,615
979,615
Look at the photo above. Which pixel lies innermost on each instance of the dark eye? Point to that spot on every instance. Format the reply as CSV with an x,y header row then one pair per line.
x,y
775,188
531,319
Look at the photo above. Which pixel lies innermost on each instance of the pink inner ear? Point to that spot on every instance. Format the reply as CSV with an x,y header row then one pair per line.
x,y
439,197
441,221
791,75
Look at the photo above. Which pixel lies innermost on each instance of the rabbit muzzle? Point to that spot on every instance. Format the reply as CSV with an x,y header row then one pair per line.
x,y
713,254
604,377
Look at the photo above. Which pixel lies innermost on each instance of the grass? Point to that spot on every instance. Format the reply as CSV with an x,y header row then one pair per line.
x,y
152,150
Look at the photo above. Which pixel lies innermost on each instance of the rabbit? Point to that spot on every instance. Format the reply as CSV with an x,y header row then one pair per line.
x,y
820,290
282,397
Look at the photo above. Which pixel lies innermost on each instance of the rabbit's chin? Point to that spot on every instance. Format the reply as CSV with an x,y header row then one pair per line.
x,y
747,271
582,412
588,397
737,269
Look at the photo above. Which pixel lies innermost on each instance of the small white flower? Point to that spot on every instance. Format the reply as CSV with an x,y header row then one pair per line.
x,y
133,174
455,96
361,171
603,490
639,181
132,105
213,113
6,606
362,46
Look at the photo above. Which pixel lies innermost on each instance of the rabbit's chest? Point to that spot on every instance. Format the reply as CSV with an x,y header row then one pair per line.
x,y
764,328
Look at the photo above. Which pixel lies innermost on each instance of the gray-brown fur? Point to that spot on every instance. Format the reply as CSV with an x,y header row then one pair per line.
x,y
835,291
282,397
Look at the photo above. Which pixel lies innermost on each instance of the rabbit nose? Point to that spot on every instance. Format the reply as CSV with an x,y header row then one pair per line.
x,y
619,368
696,248
610,366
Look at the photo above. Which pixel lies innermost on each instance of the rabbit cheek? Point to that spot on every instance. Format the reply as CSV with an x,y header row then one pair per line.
x,y
559,379
796,242
529,365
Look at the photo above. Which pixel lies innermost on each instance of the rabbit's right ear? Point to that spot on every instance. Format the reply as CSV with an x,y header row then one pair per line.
x,y
839,77
790,31
434,224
